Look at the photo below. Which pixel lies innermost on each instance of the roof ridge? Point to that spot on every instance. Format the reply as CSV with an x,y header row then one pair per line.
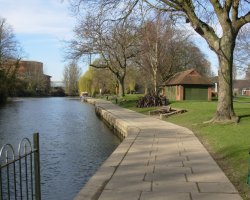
x,y
183,77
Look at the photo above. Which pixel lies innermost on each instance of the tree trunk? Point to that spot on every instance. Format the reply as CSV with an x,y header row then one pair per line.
x,y
225,110
155,82
121,92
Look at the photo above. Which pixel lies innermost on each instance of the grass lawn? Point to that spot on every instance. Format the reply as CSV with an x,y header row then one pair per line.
x,y
245,99
229,144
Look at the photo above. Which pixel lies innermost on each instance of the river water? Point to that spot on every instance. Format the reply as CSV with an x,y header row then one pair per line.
x,y
73,141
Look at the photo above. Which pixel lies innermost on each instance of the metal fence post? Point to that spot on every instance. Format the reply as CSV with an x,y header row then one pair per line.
x,y
37,166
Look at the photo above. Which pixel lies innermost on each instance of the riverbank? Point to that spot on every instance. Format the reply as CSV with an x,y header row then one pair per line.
x,y
156,159
74,142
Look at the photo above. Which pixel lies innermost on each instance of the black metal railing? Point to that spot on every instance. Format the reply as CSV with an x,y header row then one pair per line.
x,y
20,173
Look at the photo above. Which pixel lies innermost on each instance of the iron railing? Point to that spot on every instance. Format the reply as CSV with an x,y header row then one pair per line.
x,y
20,173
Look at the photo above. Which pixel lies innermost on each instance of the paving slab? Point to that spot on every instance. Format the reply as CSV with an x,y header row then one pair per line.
x,y
172,170
213,196
164,176
174,186
127,170
224,187
157,160
164,196
119,195
207,176
128,185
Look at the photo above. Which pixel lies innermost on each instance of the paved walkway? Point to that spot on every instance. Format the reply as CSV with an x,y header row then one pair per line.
x,y
156,161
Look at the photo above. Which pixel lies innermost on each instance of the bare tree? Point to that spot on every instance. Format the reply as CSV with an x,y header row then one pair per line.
x,y
247,73
191,57
71,77
154,48
165,50
230,18
204,16
242,50
9,62
8,43
114,43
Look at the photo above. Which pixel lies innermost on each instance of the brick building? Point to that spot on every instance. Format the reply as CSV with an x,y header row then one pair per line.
x,y
188,85
32,72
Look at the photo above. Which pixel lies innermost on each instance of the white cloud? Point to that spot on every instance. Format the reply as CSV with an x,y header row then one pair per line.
x,y
38,16
40,26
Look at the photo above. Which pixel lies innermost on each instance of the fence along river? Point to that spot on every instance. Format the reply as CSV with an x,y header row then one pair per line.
x,y
73,141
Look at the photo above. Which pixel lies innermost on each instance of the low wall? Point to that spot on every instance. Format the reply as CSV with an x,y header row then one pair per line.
x,y
94,187
118,125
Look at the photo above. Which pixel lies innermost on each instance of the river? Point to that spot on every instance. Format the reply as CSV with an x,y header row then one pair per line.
x,y
74,142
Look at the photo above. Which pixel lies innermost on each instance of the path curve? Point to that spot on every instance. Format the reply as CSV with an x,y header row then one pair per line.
x,y
157,160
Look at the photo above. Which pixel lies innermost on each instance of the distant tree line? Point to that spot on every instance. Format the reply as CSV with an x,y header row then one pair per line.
x,y
9,60
14,82
217,22
71,77
132,56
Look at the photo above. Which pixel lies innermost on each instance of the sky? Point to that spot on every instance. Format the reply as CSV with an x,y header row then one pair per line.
x,y
41,26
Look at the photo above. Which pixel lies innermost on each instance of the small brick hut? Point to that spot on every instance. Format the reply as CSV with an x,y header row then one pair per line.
x,y
241,87
188,85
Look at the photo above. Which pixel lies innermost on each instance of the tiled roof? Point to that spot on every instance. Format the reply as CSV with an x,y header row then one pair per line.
x,y
241,84
188,77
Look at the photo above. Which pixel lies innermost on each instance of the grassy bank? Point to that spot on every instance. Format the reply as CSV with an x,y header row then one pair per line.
x,y
228,143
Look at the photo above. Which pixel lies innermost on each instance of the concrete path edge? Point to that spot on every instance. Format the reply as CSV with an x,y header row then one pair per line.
x,y
96,184
94,188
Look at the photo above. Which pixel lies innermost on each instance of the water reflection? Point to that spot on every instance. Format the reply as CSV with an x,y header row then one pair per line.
x,y
74,142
